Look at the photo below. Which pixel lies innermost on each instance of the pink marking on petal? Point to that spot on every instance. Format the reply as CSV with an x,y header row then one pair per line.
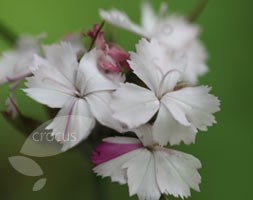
x,y
68,119
108,151
18,78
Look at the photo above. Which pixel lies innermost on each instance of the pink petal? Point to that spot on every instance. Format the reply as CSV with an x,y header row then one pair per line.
x,y
109,66
118,54
120,57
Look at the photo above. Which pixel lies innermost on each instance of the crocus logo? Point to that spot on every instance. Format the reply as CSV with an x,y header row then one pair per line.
x,y
40,143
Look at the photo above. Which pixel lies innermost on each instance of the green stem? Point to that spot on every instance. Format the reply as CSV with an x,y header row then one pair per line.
x,y
199,8
7,34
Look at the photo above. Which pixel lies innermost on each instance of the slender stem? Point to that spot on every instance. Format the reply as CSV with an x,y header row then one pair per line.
x,y
98,31
7,34
199,8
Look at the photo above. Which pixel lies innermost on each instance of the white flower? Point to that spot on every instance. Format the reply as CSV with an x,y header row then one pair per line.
x,y
14,64
173,31
148,169
181,110
149,21
78,88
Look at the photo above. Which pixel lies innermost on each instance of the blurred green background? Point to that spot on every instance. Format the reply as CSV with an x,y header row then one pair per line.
x,y
225,150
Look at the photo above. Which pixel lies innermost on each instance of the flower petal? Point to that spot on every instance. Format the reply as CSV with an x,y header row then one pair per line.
x,y
177,32
100,107
141,176
196,62
133,105
176,111
122,140
148,17
169,81
154,65
145,134
144,65
167,129
113,168
114,147
72,124
176,172
53,99
120,19
7,64
95,80
64,58
14,66
196,104
49,77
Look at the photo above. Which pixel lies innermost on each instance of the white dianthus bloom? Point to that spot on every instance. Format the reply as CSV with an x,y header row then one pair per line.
x,y
14,64
78,88
181,110
173,31
148,169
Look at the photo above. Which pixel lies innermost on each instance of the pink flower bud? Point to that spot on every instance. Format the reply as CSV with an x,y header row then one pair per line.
x,y
112,58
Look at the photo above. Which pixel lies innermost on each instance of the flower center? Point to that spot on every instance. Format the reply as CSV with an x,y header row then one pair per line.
x,y
151,147
78,93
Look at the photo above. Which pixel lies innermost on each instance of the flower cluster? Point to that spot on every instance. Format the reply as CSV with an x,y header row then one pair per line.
x,y
149,95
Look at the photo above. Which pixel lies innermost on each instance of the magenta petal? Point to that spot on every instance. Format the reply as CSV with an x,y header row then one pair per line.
x,y
108,151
